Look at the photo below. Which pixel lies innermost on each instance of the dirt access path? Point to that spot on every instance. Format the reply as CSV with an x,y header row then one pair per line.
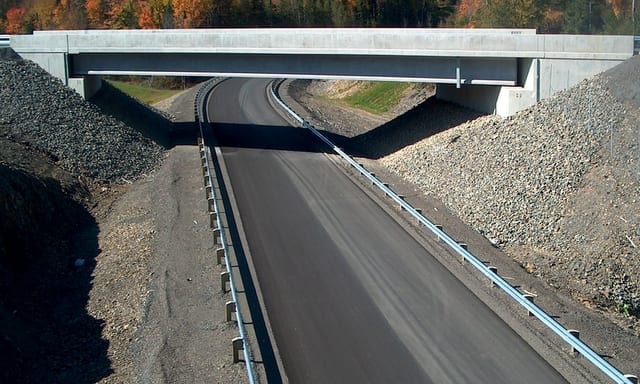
x,y
165,320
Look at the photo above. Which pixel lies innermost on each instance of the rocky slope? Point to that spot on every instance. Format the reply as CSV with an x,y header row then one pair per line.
x,y
556,186
60,161
38,109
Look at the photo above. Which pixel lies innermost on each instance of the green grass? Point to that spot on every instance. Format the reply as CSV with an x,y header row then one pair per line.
x,y
378,97
145,94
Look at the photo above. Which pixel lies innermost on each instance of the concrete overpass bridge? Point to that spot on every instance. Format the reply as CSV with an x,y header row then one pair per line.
x,y
493,70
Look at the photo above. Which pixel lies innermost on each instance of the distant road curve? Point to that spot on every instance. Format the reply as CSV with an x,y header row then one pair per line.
x,y
351,296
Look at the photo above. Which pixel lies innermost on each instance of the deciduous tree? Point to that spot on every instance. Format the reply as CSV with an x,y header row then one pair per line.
x,y
16,21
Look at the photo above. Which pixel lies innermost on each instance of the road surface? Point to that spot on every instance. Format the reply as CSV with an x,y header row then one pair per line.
x,y
351,296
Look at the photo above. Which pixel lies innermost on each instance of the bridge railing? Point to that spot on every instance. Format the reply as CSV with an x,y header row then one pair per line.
x,y
569,336
5,41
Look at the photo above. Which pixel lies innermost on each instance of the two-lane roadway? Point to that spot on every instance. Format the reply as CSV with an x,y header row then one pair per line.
x,y
350,295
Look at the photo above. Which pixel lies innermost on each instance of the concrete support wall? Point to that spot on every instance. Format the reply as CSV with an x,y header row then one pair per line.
x,y
54,63
559,74
537,80
57,64
86,86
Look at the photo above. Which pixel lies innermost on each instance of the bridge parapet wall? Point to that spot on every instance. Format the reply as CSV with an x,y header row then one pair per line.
x,y
526,67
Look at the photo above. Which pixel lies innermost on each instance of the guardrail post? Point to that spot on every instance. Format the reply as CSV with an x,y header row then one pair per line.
x,y
440,228
237,344
386,185
224,279
219,255
632,378
576,334
464,246
209,191
213,219
530,298
231,308
216,235
207,178
211,205
494,270
402,197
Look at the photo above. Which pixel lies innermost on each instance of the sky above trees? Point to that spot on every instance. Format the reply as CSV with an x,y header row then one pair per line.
x,y
547,16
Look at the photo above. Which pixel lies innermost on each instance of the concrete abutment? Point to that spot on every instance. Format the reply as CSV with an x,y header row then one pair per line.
x,y
537,80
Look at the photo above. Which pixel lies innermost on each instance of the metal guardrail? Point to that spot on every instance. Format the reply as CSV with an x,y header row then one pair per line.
x,y
241,342
525,301
5,41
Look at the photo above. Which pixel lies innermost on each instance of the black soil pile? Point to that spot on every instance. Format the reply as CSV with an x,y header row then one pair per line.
x,y
57,154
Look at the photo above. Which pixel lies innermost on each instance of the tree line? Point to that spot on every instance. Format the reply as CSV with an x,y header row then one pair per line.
x,y
547,16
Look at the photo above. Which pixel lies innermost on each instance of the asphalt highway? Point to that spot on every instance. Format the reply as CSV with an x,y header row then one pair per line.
x,y
350,295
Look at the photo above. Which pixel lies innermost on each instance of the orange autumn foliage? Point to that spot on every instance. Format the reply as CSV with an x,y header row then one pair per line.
x,y
16,18
95,10
190,13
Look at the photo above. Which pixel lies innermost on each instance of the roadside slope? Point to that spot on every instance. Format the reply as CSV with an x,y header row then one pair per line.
x,y
555,186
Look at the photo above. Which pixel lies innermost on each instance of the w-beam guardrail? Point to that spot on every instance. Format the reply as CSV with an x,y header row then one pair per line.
x,y
5,41
219,237
636,45
525,300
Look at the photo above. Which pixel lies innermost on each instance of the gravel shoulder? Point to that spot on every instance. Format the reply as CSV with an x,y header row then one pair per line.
x,y
106,262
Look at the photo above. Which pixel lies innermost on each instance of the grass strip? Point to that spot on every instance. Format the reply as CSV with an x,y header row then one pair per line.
x,y
378,97
144,94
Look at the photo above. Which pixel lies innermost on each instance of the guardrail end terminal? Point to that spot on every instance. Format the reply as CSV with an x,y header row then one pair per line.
x,y
632,378
230,306
224,279
237,344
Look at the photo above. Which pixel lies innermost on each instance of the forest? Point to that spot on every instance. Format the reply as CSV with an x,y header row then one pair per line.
x,y
547,16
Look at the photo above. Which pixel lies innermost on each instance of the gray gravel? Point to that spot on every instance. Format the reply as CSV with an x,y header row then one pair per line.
x,y
38,109
538,184
491,169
